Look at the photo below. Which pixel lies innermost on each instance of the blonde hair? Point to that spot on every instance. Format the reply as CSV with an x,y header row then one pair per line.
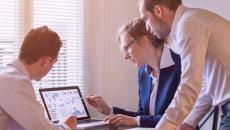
x,y
136,29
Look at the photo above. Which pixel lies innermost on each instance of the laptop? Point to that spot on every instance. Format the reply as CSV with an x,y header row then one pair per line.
x,y
62,102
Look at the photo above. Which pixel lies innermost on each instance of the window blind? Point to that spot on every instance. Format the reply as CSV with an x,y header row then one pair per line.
x,y
11,29
66,18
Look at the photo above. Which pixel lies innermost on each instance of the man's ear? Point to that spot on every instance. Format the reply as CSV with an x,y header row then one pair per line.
x,y
158,11
44,61
145,41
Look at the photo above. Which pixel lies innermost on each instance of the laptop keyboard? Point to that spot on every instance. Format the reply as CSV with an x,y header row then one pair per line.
x,y
87,121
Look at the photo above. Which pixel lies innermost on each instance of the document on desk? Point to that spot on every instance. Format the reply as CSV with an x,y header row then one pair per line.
x,y
139,128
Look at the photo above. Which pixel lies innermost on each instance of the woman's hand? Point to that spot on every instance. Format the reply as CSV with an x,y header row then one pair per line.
x,y
99,104
121,120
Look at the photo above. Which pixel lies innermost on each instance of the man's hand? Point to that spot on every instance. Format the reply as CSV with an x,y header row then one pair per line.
x,y
185,126
121,120
71,122
99,104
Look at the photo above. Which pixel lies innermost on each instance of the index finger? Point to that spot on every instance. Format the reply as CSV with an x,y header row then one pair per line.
x,y
107,118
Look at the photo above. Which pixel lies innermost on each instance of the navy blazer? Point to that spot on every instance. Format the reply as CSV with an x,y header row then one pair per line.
x,y
169,80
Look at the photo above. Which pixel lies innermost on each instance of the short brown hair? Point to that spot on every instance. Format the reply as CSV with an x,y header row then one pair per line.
x,y
39,42
170,4
136,29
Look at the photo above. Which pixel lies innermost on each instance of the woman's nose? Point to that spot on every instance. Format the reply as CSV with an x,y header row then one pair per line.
x,y
126,56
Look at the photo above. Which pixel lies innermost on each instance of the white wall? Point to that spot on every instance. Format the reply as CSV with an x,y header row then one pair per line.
x,y
220,7
109,75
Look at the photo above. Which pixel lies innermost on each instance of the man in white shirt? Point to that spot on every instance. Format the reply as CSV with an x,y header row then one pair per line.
x,y
203,41
19,109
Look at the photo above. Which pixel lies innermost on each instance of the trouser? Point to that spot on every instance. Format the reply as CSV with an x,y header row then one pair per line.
x,y
225,121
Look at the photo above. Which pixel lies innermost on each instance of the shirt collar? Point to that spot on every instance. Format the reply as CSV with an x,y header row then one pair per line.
x,y
179,13
166,60
18,64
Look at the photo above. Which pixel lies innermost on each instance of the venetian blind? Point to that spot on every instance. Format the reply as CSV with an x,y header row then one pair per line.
x,y
66,18
11,29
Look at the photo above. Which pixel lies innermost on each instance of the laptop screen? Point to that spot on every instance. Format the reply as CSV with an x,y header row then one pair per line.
x,y
63,102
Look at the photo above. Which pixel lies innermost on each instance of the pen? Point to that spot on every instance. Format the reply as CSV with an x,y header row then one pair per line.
x,y
83,97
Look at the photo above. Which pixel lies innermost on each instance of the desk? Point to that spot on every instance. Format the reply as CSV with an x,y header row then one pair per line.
x,y
119,128
108,128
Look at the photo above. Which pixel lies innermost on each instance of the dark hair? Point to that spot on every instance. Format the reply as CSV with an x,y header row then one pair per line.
x,y
170,4
39,42
136,29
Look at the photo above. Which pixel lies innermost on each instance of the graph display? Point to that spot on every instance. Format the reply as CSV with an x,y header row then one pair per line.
x,y
64,103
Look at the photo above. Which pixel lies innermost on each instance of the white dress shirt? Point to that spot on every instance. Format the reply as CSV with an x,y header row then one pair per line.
x,y
152,102
204,41
19,108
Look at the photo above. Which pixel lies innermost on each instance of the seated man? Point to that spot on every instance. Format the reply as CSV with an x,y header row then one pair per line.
x,y
19,108
158,77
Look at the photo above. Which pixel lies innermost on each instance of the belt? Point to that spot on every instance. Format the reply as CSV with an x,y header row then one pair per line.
x,y
226,107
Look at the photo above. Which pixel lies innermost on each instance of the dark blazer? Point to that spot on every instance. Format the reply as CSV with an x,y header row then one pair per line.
x,y
169,80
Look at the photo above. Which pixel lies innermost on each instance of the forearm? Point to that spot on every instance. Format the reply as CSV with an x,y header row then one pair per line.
x,y
201,108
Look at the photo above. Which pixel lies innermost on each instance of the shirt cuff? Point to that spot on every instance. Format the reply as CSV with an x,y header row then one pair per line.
x,y
164,124
190,121
63,126
111,110
138,120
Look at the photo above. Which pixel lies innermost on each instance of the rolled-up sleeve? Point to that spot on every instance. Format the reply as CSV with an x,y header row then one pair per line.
x,y
201,107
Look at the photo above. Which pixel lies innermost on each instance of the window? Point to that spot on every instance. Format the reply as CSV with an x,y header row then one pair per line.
x,y
11,13
66,18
